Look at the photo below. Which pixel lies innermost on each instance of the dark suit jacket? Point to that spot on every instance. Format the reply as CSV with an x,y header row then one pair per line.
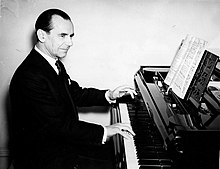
x,y
45,121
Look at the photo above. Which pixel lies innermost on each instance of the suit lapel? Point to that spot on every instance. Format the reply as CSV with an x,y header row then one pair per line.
x,y
56,85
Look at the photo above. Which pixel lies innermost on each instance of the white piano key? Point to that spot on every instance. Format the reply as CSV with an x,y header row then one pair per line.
x,y
130,150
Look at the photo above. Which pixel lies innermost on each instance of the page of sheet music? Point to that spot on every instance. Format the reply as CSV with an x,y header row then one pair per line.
x,y
177,60
183,77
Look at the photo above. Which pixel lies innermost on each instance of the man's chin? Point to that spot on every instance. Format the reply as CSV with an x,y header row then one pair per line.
x,y
61,56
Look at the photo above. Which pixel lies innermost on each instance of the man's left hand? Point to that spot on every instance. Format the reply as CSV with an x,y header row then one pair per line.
x,y
121,91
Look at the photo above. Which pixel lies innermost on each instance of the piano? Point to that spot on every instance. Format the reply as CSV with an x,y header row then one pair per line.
x,y
170,132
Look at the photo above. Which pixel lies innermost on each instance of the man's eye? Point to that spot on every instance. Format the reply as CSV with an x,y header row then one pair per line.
x,y
62,35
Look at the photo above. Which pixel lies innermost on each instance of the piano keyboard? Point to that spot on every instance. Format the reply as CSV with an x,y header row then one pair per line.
x,y
130,151
146,150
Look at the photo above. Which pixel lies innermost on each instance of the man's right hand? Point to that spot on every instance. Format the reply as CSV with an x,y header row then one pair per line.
x,y
124,129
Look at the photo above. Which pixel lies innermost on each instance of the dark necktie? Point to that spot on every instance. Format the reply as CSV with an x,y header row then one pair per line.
x,y
62,71
65,79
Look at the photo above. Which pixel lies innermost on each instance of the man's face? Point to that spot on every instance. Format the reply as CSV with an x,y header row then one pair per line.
x,y
59,39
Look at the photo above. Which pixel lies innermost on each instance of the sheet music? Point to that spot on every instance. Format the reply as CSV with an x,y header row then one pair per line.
x,y
156,69
185,64
179,56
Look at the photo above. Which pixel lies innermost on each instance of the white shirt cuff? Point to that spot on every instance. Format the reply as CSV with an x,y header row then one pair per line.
x,y
107,97
104,135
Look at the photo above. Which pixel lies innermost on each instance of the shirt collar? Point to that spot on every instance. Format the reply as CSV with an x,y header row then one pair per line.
x,y
49,59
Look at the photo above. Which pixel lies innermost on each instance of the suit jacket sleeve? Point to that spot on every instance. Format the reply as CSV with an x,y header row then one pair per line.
x,y
87,96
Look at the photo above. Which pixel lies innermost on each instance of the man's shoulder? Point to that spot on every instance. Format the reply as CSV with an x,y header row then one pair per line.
x,y
34,64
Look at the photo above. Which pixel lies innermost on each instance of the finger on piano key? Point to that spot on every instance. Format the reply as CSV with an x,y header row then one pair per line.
x,y
129,132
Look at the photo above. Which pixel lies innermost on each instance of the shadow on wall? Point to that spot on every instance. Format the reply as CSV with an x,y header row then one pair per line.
x,y
8,114
33,38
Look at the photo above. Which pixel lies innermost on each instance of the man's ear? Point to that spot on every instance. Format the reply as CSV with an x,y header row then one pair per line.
x,y
41,34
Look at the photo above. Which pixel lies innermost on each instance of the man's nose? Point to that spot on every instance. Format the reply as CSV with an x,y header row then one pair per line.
x,y
69,41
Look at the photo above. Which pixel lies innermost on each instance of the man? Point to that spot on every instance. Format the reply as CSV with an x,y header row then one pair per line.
x,y
48,132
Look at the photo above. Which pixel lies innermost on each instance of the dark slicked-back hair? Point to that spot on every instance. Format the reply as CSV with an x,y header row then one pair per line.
x,y
44,20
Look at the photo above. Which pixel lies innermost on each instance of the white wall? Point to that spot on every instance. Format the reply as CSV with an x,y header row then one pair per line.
x,y
112,37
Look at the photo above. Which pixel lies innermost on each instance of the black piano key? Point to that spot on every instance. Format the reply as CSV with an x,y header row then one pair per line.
x,y
155,167
151,155
155,161
150,148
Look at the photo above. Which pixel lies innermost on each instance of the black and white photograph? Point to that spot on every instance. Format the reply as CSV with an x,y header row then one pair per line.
x,y
109,84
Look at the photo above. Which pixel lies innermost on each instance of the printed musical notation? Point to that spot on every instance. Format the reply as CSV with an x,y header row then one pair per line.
x,y
184,64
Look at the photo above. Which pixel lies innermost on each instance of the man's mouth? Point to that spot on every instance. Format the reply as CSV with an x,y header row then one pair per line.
x,y
65,50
